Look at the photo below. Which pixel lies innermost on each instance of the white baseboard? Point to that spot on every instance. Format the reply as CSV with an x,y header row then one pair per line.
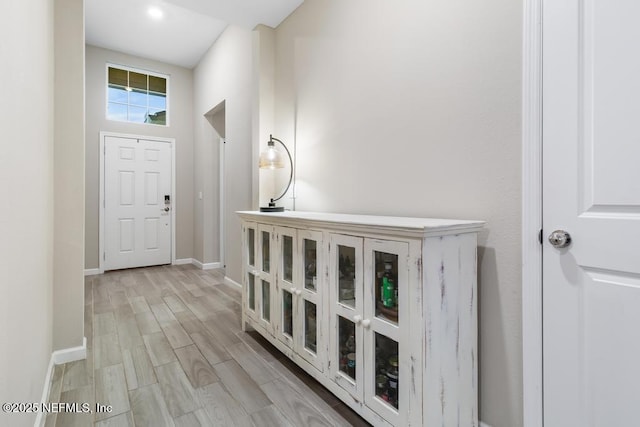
x,y
195,262
91,271
59,357
211,265
484,424
41,417
71,354
207,265
230,281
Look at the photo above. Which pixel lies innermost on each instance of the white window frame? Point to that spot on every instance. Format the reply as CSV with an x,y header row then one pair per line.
x,y
167,77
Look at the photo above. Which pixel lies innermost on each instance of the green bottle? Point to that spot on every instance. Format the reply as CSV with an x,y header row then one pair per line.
x,y
388,292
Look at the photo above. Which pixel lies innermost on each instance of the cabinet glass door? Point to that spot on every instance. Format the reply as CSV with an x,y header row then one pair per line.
x,y
385,317
310,345
286,278
346,312
249,269
265,286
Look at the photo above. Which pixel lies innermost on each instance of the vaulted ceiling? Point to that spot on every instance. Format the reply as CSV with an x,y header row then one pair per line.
x,y
175,31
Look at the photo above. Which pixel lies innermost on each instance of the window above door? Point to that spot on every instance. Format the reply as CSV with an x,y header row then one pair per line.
x,y
137,96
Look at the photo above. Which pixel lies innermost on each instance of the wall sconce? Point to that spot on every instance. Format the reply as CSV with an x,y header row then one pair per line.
x,y
273,159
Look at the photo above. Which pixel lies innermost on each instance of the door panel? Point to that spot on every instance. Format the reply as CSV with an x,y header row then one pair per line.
x,y
137,227
127,234
151,184
591,292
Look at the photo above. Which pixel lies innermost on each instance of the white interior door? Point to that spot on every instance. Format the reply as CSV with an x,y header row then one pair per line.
x,y
138,202
591,289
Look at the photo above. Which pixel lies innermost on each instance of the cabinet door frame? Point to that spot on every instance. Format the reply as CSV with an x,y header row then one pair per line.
x,y
250,270
282,285
316,297
268,277
396,332
336,309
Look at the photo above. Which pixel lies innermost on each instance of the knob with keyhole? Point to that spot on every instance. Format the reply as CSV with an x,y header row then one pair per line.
x,y
560,239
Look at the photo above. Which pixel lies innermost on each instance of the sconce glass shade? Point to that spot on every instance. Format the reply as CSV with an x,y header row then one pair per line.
x,y
271,159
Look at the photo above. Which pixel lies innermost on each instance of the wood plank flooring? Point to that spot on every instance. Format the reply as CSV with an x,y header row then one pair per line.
x,y
165,348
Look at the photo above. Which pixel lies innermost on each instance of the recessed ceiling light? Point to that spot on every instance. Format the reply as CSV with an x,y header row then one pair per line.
x,y
155,13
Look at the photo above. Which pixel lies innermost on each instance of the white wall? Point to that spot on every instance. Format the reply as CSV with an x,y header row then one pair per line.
x,y
180,127
224,74
68,250
412,108
26,191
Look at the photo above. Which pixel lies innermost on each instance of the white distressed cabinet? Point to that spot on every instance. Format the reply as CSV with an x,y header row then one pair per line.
x,y
381,310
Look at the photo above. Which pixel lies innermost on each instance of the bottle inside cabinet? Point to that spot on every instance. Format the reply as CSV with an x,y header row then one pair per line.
x,y
386,372
387,286
347,347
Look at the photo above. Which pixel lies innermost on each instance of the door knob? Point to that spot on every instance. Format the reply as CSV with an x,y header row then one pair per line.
x,y
166,209
365,323
560,239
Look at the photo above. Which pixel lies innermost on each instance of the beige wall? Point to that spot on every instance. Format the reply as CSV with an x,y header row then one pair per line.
x,y
224,74
68,249
413,109
180,128
26,191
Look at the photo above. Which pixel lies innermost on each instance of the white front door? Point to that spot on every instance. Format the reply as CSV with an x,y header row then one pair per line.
x,y
138,202
591,184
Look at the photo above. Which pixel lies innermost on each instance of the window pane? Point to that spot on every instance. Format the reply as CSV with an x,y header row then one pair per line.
x,y
310,264
158,101
251,244
117,112
287,313
252,292
118,77
347,346
157,117
386,375
346,275
137,114
139,98
130,89
137,80
157,84
118,94
310,328
266,298
387,286
287,258
265,251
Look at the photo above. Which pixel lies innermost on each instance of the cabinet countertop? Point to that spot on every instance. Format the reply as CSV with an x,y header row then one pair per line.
x,y
418,226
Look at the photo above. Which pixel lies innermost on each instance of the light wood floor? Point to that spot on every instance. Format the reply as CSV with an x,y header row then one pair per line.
x,y
165,348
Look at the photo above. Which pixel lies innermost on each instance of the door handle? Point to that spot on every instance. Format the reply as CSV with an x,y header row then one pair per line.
x,y
166,209
560,239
